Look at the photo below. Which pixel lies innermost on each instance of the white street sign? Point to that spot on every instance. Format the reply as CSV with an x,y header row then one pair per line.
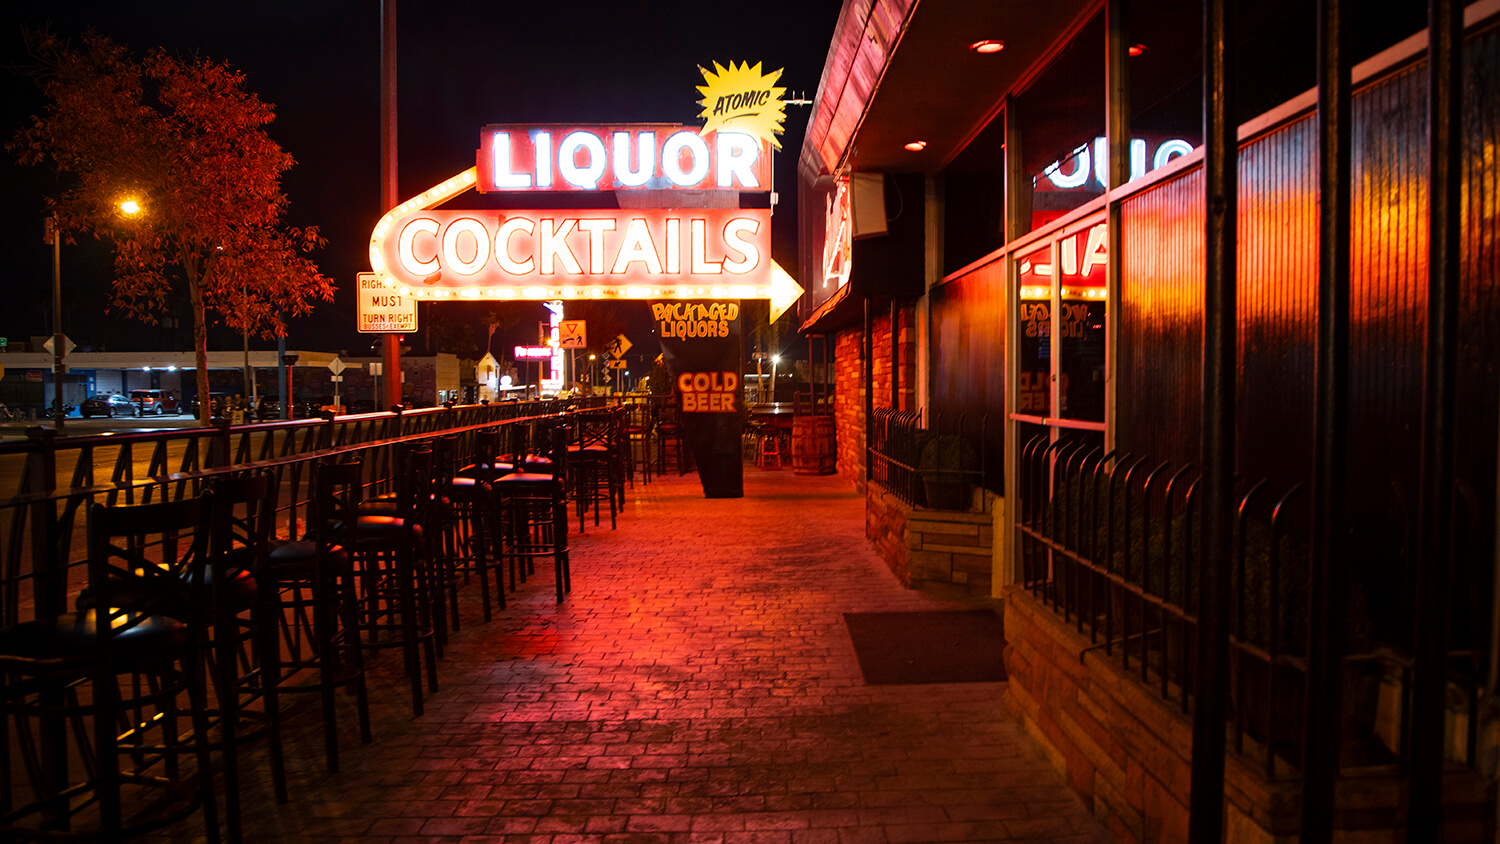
x,y
335,377
336,366
382,308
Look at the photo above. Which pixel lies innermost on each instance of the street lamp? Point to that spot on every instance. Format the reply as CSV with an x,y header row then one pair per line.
x,y
775,359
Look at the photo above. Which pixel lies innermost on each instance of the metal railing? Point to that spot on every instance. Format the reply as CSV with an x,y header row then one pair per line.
x,y
1111,543
897,439
48,482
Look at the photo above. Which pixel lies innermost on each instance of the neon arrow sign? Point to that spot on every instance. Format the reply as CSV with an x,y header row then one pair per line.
x,y
576,253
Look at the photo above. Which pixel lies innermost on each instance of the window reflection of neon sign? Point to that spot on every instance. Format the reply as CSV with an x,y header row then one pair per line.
x,y
1085,265
1082,162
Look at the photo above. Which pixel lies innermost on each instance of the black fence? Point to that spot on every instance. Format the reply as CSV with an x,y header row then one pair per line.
x,y
1111,542
908,459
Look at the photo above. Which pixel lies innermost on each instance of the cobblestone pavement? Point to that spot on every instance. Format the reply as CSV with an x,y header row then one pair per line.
x,y
697,686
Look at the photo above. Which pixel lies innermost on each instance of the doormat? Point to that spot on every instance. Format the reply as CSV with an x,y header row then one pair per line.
x,y
899,648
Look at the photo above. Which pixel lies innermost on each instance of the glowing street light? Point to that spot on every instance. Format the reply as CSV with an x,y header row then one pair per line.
x,y
130,207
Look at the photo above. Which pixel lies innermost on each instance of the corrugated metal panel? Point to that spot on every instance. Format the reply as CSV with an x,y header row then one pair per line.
x,y
1161,327
1277,300
1387,327
1161,321
1478,397
968,349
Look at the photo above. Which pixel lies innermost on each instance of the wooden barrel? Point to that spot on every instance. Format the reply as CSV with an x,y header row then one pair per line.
x,y
812,445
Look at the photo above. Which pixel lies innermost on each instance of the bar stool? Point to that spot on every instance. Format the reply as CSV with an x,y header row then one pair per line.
x,y
243,510
638,441
468,529
65,669
313,575
594,460
395,606
669,441
770,448
533,514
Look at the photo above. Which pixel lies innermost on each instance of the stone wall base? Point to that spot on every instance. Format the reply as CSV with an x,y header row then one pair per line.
x,y
1128,753
944,549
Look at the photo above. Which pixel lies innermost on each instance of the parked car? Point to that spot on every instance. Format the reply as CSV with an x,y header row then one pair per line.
x,y
154,402
112,405
218,403
269,407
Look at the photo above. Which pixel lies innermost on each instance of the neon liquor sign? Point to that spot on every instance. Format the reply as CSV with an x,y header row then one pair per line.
x,y
627,157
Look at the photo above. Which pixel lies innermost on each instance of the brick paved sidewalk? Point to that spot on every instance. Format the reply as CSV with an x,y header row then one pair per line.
x,y
697,686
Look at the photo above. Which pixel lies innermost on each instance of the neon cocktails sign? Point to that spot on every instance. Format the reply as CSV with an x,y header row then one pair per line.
x,y
473,252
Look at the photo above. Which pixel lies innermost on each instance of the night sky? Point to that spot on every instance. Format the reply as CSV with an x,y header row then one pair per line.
x,y
462,65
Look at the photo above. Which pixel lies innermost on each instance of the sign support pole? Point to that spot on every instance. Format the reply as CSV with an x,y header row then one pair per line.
x,y
58,351
389,191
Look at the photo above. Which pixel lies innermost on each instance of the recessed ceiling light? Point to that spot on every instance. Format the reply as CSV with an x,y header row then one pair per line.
x,y
1136,49
988,45
916,146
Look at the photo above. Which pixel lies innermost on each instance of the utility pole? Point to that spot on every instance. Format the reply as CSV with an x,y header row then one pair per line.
x,y
389,189
53,236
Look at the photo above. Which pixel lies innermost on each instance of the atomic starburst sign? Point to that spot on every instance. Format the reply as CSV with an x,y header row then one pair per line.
x,y
739,98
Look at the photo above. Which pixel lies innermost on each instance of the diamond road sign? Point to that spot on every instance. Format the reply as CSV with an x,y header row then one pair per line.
x,y
68,346
336,366
618,346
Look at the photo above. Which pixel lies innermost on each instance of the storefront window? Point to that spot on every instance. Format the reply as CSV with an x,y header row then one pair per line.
x,y
1081,324
1034,330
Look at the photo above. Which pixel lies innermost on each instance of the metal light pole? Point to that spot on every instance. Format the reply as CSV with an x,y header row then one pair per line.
x,y
775,359
389,192
53,236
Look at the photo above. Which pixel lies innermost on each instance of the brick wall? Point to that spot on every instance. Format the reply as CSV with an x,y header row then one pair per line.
x,y
849,384
1128,753
849,404
880,327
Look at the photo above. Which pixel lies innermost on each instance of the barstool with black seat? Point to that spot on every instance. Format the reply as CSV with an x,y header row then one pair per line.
x,y
468,531
243,511
313,575
394,575
64,670
593,457
533,508
638,440
240,521
427,468
669,439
